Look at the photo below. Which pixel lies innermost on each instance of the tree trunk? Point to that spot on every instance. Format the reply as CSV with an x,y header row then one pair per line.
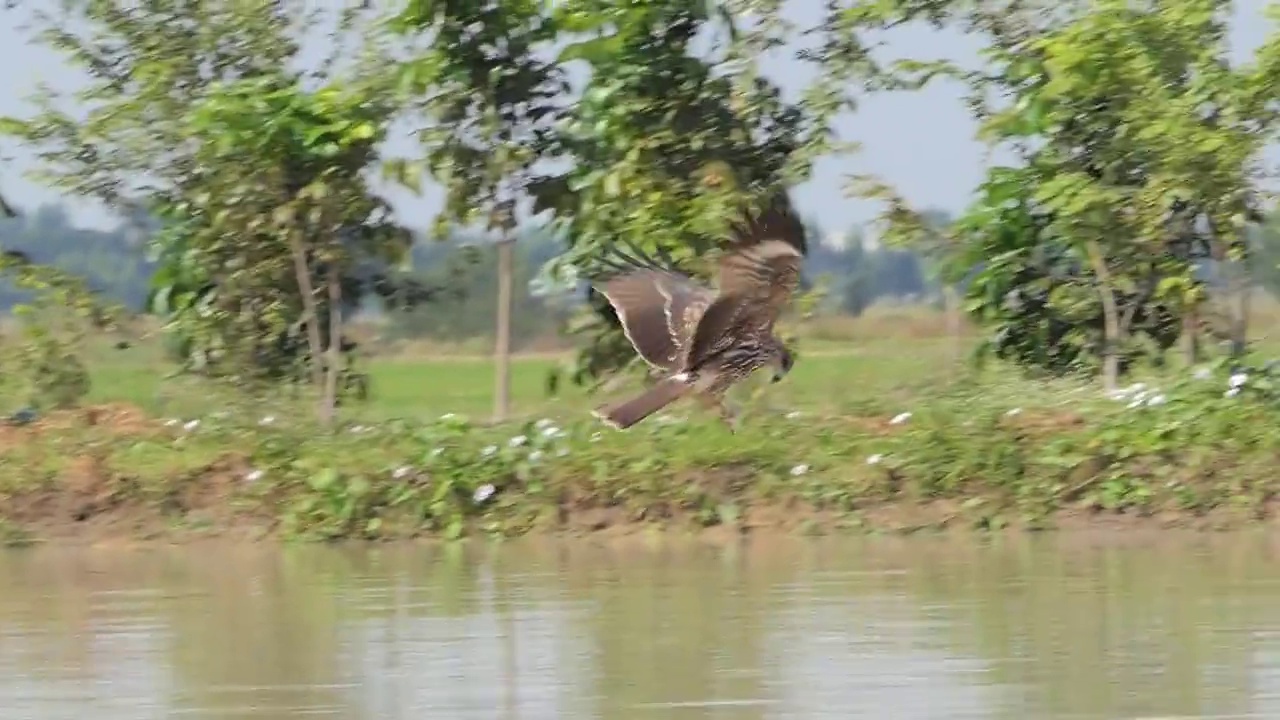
x,y
333,365
310,308
1111,330
1191,334
502,340
951,306
1236,272
1238,292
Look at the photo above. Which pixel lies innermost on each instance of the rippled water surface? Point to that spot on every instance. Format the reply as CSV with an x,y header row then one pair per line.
x,y
1042,627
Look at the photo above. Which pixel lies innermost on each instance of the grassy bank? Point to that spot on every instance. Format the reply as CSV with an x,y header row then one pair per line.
x,y
887,436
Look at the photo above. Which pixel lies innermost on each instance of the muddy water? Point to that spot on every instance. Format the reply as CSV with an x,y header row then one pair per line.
x,y
923,628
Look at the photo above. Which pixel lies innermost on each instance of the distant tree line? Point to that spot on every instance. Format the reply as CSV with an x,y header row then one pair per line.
x,y
114,262
855,274
108,260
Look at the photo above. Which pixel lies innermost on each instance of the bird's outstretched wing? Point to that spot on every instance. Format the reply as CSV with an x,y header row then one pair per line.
x,y
763,267
755,283
658,306
757,276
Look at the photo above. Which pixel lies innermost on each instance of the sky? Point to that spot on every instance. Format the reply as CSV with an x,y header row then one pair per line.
x,y
922,142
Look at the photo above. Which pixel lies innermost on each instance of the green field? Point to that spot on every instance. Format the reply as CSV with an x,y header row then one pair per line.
x,y
831,378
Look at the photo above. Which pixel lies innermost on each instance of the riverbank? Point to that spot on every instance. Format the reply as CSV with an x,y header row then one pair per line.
x,y
1191,455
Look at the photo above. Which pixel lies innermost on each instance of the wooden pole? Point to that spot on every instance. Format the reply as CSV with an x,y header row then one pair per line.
x,y
502,340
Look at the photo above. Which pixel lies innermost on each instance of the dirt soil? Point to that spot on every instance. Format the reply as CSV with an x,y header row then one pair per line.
x,y
93,504
90,502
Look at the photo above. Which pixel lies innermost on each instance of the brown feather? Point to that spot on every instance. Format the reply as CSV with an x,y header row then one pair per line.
x,y
676,324
658,311
763,265
765,260
777,221
630,412
717,329
767,271
756,283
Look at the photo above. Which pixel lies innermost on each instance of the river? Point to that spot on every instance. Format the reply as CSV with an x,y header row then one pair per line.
x,y
1045,626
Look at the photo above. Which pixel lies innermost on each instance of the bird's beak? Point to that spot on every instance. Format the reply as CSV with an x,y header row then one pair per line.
x,y
781,367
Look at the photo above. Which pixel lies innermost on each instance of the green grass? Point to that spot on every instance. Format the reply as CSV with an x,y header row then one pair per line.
x,y
981,449
832,378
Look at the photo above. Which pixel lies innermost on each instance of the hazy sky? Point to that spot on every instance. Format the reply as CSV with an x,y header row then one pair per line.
x,y
921,141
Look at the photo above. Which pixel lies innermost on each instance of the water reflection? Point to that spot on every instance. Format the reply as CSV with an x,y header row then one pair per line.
x,y
1044,627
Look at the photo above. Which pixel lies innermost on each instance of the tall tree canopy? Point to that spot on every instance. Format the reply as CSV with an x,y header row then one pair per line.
x,y
1137,154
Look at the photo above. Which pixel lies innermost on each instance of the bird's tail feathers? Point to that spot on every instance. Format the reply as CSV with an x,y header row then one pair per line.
x,y
628,413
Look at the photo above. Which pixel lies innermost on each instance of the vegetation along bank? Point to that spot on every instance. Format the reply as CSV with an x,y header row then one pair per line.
x,y
976,453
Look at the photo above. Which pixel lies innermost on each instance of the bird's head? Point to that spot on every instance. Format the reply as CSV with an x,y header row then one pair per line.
x,y
782,361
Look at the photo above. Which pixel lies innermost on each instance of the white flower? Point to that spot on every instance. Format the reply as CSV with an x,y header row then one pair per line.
x,y
1238,379
254,475
171,422
900,418
267,420
439,451
544,423
1157,399
489,451
401,472
799,470
1013,411
447,417
1134,391
551,432
1203,373
484,492
874,459
191,425
595,437
793,414
517,441
535,456
1232,392
357,429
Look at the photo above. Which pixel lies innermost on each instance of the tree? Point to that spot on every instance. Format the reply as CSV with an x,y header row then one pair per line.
x,y
1137,145
493,102
53,309
183,98
669,145
664,146
146,67
280,209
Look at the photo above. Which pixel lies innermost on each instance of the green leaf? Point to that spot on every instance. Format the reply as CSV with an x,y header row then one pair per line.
x,y
363,131
324,479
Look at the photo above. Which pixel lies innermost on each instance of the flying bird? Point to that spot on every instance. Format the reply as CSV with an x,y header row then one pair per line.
x,y
705,341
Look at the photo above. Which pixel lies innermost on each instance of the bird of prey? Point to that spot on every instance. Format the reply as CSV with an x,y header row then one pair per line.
x,y
702,341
